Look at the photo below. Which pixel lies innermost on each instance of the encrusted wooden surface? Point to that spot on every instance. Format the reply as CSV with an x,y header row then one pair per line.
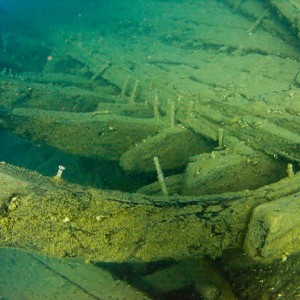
x,y
55,218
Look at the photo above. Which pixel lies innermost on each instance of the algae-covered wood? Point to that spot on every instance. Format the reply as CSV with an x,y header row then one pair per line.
x,y
55,218
160,79
107,136
25,275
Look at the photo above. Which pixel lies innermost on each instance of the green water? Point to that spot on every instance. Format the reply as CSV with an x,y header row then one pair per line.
x,y
102,87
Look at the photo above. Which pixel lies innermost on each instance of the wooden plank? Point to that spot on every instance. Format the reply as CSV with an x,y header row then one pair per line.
x,y
24,275
103,135
64,220
289,9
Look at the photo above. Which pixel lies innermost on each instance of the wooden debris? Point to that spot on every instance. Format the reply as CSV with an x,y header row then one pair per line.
x,y
225,171
100,72
106,136
290,9
274,230
192,274
64,220
254,27
25,275
174,184
173,146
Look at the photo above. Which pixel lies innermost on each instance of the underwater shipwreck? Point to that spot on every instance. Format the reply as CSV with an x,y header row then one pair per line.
x,y
177,127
